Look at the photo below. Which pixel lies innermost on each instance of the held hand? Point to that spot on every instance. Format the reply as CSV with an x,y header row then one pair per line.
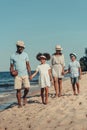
x,y
30,77
80,77
63,72
52,82
66,71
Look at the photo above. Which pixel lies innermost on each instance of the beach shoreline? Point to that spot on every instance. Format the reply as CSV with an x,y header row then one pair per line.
x,y
10,98
68,112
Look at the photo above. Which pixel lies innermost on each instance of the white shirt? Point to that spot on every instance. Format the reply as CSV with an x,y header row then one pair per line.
x,y
74,68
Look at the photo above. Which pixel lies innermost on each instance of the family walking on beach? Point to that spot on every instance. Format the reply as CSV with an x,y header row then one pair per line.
x,y
48,74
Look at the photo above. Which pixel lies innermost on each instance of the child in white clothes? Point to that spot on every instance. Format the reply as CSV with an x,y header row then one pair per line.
x,y
45,77
75,70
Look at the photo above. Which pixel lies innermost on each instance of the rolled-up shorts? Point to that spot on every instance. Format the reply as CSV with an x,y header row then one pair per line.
x,y
74,80
21,82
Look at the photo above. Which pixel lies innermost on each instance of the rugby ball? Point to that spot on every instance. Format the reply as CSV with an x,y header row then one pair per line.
x,y
14,73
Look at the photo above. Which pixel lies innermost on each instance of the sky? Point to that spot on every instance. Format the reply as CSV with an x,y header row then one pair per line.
x,y
42,24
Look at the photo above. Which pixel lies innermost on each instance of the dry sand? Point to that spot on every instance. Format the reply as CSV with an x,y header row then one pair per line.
x,y
67,112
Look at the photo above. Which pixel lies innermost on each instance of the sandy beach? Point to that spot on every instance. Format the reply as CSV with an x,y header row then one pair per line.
x,y
68,112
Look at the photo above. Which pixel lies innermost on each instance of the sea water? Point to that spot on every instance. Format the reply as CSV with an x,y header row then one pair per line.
x,y
7,87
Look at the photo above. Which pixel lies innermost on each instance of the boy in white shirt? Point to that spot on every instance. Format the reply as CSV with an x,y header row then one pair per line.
x,y
75,70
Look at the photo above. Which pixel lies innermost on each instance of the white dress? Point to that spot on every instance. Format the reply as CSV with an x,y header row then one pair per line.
x,y
44,78
57,65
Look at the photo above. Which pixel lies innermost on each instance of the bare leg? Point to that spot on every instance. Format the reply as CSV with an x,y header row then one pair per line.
x,y
56,86
74,90
46,95
24,96
18,95
77,84
42,95
60,87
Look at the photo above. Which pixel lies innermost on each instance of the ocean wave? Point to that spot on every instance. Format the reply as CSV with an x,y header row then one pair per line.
x,y
11,83
4,95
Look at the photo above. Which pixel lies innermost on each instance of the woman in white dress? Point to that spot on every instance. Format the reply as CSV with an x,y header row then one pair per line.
x,y
58,64
45,77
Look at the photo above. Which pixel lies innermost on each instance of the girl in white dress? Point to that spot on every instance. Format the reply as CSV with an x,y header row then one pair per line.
x,y
45,76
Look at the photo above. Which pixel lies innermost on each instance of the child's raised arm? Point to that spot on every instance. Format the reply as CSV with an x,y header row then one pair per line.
x,y
67,71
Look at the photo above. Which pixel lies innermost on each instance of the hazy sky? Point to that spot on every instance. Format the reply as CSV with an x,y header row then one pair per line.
x,y
42,24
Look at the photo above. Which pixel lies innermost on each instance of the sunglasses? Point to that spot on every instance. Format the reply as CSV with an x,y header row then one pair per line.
x,y
20,47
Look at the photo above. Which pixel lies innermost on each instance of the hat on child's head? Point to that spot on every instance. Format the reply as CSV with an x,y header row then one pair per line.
x,y
20,43
44,56
73,54
58,47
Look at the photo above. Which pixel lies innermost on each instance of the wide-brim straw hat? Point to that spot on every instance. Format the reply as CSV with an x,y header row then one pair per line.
x,y
20,43
58,47
43,55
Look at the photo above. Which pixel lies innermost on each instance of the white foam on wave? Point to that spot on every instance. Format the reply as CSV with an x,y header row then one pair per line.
x,y
33,86
4,95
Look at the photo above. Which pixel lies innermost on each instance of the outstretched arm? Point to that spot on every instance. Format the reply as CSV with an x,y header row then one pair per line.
x,y
33,75
28,67
67,71
50,74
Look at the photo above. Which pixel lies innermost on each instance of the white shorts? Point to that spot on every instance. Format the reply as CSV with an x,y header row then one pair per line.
x,y
21,82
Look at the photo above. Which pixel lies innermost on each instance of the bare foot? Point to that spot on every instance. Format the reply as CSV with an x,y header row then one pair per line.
x,y
24,101
19,106
75,94
59,95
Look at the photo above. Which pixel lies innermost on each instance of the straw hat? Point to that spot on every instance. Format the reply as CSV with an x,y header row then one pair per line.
x,y
20,43
43,55
58,47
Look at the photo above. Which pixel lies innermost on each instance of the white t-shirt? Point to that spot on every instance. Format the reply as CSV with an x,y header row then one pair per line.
x,y
44,79
74,68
